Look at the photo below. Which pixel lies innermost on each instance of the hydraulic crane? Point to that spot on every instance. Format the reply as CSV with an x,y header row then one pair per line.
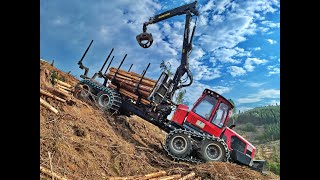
x,y
200,134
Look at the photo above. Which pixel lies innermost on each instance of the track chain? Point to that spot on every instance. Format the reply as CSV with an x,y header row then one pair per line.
x,y
115,101
193,134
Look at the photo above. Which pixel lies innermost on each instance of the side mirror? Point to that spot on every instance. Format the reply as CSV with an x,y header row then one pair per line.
x,y
232,126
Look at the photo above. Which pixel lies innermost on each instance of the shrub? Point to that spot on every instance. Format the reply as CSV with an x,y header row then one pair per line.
x,y
248,127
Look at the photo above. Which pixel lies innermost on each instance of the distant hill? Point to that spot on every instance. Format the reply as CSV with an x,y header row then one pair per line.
x,y
261,127
259,115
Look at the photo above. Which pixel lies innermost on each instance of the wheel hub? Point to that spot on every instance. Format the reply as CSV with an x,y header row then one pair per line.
x,y
104,100
179,143
213,151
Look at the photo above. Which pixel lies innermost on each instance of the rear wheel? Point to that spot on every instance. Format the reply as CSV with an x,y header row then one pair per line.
x,y
212,150
179,144
82,91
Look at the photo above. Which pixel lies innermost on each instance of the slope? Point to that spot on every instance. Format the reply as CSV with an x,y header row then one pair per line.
x,y
85,143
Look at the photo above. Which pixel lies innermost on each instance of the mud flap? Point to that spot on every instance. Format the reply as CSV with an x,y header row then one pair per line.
x,y
240,158
259,165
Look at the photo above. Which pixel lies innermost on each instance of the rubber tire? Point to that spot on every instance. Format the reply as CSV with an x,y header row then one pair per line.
x,y
187,150
106,107
112,106
203,151
76,93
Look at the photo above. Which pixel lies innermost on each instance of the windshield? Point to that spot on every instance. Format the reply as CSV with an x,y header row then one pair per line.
x,y
206,106
221,114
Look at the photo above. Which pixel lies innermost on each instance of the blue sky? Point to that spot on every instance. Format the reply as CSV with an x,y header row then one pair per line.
x,y
236,47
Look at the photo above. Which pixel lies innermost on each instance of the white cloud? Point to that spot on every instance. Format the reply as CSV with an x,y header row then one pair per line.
x,y
257,48
221,26
199,69
273,70
248,65
271,41
268,93
262,94
221,89
60,21
243,108
254,84
188,1
207,7
236,71
271,24
194,92
238,22
248,100
273,102
226,55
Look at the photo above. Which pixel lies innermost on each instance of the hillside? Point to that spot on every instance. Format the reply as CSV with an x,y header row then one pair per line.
x,y
82,142
261,126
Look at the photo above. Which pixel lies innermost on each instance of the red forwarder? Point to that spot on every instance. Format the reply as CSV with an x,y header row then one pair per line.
x,y
196,135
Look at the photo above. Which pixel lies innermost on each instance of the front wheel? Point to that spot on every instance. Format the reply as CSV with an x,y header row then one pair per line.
x,y
212,150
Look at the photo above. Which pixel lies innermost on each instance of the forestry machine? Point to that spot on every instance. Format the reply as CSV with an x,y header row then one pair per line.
x,y
196,134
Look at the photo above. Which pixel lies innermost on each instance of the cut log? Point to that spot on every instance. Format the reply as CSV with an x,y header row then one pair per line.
x,y
51,95
129,94
47,105
63,83
143,93
135,80
153,175
65,88
167,177
122,178
110,75
66,95
46,171
126,74
131,83
133,74
134,77
62,91
188,176
143,177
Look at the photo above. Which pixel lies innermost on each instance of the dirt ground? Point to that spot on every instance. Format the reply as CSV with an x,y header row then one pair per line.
x,y
85,143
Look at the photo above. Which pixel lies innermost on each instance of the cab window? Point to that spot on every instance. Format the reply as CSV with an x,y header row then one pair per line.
x,y
221,115
205,107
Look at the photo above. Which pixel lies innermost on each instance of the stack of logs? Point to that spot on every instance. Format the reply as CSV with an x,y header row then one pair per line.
x,y
128,81
62,92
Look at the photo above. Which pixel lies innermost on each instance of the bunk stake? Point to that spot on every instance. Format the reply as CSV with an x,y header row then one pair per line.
x,y
115,74
130,68
137,87
81,66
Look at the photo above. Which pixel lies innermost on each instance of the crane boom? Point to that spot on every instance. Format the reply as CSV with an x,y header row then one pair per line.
x,y
145,40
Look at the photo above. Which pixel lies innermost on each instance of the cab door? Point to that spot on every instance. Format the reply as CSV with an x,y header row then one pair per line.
x,y
202,113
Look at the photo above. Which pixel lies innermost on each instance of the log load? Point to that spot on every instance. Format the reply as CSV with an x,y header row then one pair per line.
x,y
128,81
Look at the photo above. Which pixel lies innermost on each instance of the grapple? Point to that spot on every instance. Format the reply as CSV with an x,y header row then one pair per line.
x,y
145,39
